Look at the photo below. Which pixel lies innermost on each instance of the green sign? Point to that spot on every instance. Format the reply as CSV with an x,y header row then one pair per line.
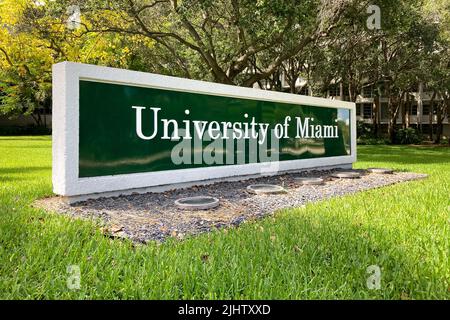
x,y
126,129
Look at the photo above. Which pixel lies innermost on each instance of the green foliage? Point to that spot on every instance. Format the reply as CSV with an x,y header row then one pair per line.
x,y
364,130
372,141
24,130
318,252
407,136
243,42
366,135
32,38
23,93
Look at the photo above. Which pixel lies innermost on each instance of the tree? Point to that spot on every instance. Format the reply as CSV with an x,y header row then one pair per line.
x,y
31,40
235,41
437,66
389,59
24,73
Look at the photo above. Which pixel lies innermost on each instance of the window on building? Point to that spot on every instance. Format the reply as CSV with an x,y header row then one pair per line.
x,y
367,91
358,109
304,91
334,90
426,109
345,93
384,110
413,110
367,110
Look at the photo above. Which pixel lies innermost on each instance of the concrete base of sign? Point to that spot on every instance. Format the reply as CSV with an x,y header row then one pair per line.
x,y
163,188
154,217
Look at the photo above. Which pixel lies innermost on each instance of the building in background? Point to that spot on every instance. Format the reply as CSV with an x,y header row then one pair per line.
x,y
419,112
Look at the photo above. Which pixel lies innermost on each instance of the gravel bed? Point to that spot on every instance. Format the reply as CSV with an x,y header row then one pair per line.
x,y
153,216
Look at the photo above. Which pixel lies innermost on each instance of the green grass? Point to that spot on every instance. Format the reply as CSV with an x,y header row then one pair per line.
x,y
321,251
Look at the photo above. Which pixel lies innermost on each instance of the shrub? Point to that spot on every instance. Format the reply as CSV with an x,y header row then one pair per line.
x,y
372,141
407,136
24,130
364,130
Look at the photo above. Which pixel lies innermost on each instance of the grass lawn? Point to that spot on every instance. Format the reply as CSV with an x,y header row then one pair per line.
x,y
321,251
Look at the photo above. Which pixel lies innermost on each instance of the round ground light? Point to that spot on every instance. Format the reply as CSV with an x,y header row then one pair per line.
x,y
347,175
380,170
310,181
197,203
265,189
360,171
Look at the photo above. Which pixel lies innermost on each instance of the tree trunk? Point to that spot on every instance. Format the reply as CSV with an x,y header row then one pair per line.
x,y
408,114
292,85
392,115
406,111
442,110
438,125
392,121
37,118
430,115
376,109
350,91
420,108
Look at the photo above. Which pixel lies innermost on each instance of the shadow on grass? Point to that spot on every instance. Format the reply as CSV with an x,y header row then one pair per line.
x,y
29,147
25,138
404,155
335,246
18,170
22,174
